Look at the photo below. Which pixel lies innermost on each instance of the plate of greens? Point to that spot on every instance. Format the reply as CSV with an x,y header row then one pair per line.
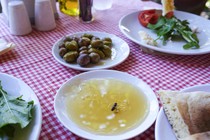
x,y
132,29
20,113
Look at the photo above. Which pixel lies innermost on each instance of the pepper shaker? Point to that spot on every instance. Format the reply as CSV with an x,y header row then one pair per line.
x,y
85,10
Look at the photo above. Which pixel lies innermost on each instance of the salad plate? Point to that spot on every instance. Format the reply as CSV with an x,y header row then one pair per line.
x,y
17,87
130,26
163,129
61,110
120,51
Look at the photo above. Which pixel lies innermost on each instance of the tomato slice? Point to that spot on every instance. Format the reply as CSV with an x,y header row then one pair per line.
x,y
169,14
148,16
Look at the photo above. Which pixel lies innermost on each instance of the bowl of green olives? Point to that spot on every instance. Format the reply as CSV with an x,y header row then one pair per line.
x,y
90,50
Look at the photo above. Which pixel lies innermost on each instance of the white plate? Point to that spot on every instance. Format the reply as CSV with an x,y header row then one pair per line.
x,y
120,51
163,130
17,87
60,105
130,26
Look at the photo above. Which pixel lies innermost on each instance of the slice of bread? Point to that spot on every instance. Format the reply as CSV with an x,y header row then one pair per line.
x,y
198,136
168,6
188,113
168,99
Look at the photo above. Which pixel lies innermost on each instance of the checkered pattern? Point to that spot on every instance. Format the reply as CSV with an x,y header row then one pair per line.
x,y
32,61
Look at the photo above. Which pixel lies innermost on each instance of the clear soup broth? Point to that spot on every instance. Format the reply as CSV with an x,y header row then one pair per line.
x,y
106,106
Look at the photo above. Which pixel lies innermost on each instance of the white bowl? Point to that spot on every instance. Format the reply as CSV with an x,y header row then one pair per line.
x,y
60,105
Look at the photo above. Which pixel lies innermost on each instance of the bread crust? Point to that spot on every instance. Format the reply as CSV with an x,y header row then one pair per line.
x,y
188,113
198,136
168,6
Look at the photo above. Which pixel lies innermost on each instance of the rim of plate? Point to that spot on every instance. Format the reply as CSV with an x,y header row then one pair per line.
x,y
96,67
123,30
142,127
38,111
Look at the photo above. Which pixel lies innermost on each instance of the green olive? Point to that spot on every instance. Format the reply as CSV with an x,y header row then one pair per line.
x,y
83,48
90,47
83,60
75,38
107,39
67,38
72,46
62,45
107,50
88,35
62,51
83,52
97,44
94,58
99,52
84,41
70,56
107,43
95,38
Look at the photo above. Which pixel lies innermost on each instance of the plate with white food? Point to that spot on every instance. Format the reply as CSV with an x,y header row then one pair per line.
x,y
21,105
131,27
191,101
90,50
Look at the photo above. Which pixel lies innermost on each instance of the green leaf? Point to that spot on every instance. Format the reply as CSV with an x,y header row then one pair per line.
x,y
14,110
160,23
191,45
168,28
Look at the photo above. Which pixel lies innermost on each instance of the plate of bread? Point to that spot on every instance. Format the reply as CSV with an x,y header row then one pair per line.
x,y
184,114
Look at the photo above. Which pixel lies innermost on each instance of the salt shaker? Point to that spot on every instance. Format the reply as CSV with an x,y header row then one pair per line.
x,y
18,18
44,17
85,10
53,3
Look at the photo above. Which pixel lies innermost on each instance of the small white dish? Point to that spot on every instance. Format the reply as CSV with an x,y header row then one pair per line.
x,y
163,129
17,87
120,51
61,112
130,26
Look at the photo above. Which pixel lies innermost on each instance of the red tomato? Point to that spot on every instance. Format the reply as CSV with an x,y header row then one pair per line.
x,y
169,14
148,16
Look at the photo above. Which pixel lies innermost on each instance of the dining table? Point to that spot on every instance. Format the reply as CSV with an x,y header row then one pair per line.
x,y
32,62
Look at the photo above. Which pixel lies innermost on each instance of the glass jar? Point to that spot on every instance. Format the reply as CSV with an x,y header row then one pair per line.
x,y
69,7
85,10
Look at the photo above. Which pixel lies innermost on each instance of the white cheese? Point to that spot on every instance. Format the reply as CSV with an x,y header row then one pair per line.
x,y
147,38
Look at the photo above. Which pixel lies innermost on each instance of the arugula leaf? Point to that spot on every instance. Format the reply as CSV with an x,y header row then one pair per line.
x,y
161,22
14,111
167,28
190,45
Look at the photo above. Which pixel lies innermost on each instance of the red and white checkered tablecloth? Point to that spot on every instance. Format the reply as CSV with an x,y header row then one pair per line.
x,y
32,61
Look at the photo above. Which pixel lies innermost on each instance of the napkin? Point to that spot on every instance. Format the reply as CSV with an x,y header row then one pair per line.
x,y
5,46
